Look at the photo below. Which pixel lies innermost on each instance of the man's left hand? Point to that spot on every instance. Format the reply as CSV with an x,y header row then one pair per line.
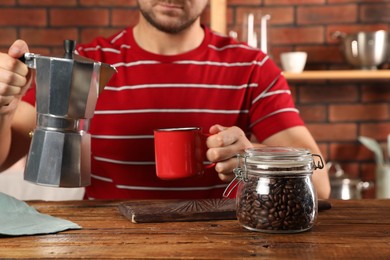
x,y
224,144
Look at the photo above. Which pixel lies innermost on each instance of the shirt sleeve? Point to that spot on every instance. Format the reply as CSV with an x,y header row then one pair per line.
x,y
273,109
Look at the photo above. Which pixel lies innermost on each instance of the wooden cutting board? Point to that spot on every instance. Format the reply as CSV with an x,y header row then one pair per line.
x,y
185,210
178,210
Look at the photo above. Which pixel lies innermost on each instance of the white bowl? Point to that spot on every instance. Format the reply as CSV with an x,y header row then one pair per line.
x,y
293,61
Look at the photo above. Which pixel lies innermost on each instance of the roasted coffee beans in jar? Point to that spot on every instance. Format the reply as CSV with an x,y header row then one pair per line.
x,y
275,190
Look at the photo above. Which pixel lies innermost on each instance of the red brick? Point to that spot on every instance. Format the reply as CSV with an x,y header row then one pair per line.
x,y
322,54
376,91
352,170
8,36
345,151
44,51
368,155
20,17
245,2
357,1
313,113
297,35
109,3
48,2
88,35
279,15
333,132
377,130
324,151
276,50
368,170
327,14
293,2
375,13
293,90
7,2
48,37
79,17
124,17
358,112
367,173
369,193
335,93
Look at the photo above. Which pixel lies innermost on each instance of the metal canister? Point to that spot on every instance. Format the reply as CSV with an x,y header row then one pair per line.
x,y
343,186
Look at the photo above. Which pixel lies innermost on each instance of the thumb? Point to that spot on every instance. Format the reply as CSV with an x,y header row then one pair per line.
x,y
18,48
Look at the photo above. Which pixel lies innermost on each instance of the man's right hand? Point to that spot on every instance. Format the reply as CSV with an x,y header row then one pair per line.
x,y
14,76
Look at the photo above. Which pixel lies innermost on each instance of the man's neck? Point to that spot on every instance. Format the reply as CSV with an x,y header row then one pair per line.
x,y
151,39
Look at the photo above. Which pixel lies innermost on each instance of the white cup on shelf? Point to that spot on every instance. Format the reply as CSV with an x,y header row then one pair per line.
x,y
294,61
383,181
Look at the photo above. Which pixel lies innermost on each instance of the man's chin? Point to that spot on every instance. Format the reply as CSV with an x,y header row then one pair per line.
x,y
171,27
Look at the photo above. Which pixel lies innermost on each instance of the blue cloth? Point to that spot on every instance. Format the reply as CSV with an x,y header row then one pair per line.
x,y
17,218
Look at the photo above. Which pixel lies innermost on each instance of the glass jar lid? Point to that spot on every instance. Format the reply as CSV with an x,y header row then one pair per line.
x,y
273,161
278,160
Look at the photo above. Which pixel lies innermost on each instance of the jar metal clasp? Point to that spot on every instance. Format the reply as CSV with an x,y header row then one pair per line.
x,y
240,174
320,164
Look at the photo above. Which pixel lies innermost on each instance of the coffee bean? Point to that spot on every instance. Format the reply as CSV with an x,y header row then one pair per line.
x,y
288,206
268,204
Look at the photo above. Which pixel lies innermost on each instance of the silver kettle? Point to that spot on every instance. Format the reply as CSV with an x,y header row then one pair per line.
x,y
342,186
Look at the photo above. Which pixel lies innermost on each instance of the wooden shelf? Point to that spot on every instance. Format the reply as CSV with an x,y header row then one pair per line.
x,y
338,75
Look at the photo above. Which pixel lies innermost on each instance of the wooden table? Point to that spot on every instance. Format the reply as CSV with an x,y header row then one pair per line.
x,y
351,229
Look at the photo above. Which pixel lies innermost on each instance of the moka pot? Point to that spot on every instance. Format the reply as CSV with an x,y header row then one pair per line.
x,y
66,94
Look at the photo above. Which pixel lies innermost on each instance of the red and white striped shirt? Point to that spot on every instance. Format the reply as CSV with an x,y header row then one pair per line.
x,y
220,82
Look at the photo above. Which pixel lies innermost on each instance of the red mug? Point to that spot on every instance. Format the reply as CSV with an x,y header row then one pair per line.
x,y
180,152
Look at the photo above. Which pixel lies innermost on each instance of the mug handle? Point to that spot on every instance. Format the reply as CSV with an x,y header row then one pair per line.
x,y
211,165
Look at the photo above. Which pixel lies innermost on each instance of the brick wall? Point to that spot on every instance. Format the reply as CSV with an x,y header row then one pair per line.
x,y
336,112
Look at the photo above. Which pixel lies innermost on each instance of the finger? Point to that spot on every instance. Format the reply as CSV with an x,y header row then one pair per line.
x,y
215,129
226,177
223,153
225,170
5,100
227,166
18,49
226,137
11,78
11,64
7,90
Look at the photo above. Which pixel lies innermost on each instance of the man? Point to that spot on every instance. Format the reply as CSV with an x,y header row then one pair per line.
x,y
172,72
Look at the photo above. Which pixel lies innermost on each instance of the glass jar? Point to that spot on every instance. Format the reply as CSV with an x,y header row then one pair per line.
x,y
275,190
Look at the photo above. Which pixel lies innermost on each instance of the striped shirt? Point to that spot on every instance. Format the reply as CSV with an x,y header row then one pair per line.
x,y
220,82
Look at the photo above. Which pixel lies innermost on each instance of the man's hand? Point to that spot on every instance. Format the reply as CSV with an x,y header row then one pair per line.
x,y
14,76
224,144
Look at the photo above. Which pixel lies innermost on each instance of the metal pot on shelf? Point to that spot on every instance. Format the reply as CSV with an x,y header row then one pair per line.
x,y
342,186
365,50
